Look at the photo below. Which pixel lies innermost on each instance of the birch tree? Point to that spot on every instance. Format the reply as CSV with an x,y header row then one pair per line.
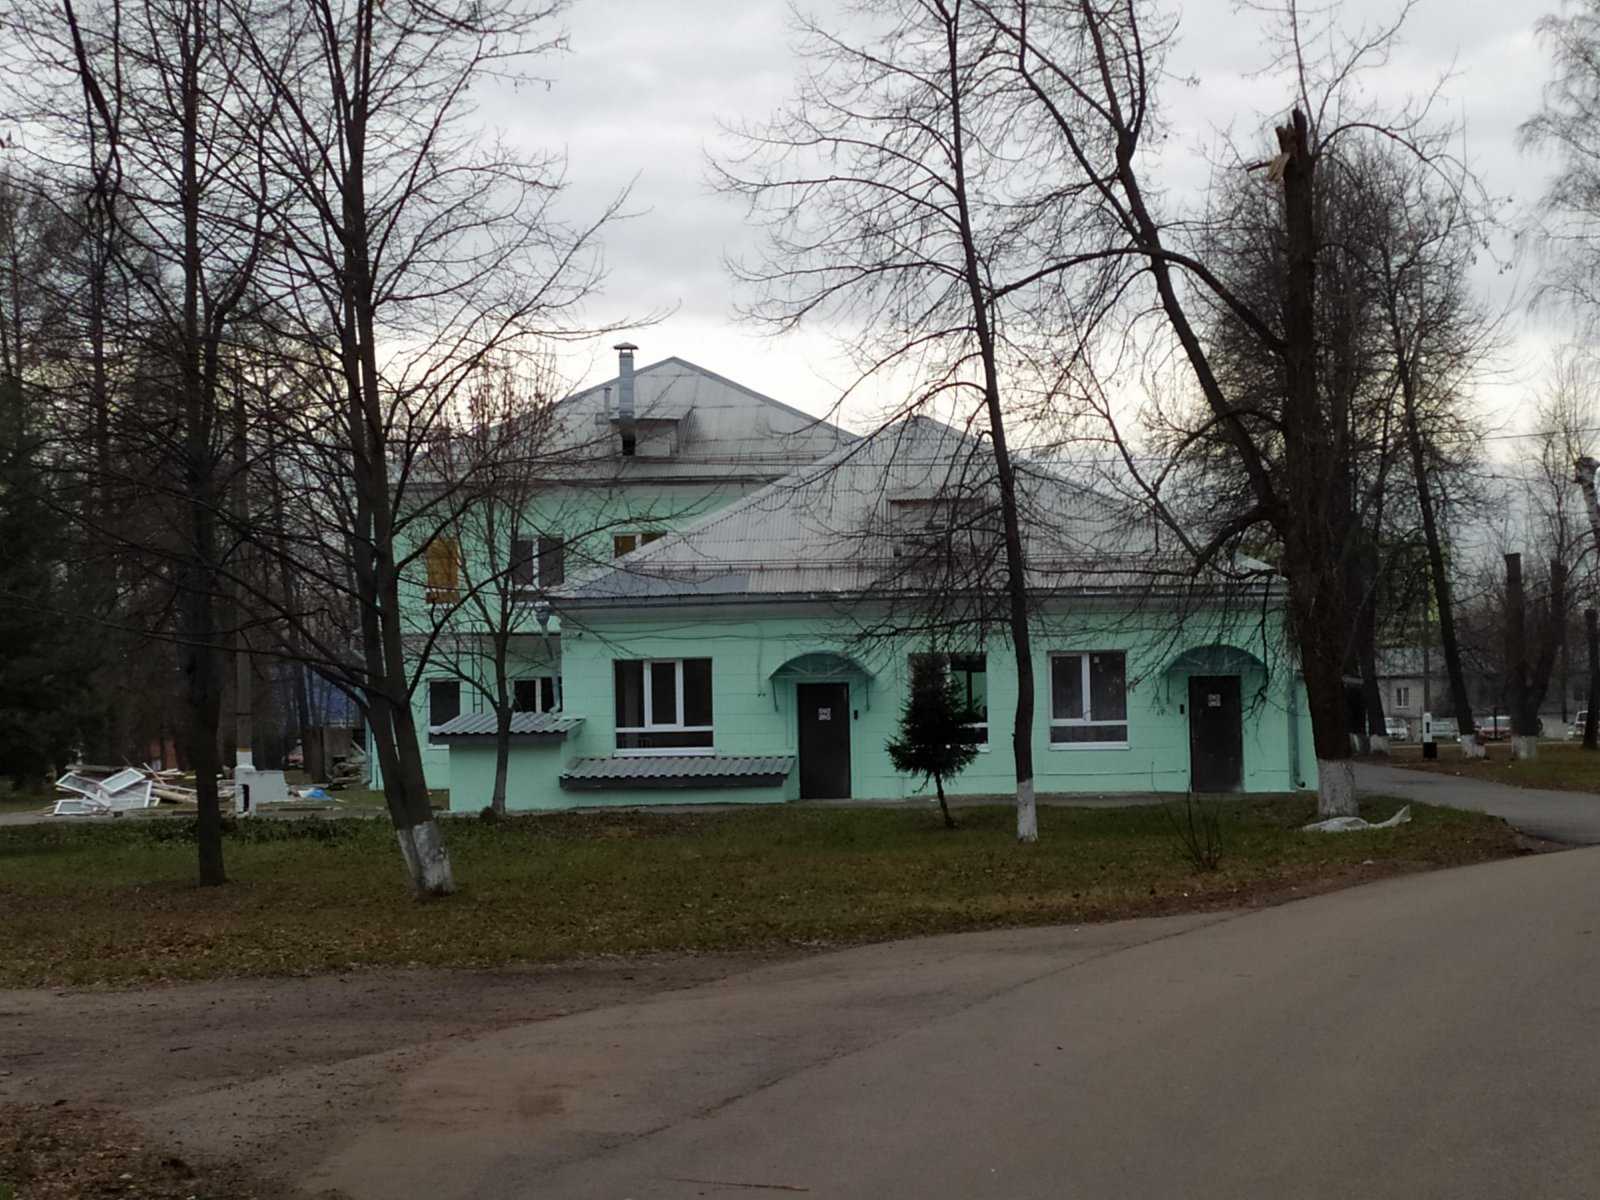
x,y
411,247
888,188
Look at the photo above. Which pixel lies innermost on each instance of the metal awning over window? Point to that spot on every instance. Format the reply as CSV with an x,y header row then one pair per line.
x,y
675,771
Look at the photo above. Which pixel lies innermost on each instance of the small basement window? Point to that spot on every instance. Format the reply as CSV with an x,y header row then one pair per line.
x,y
1089,699
663,706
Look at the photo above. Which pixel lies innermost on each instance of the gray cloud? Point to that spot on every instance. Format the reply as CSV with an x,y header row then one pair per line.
x,y
640,96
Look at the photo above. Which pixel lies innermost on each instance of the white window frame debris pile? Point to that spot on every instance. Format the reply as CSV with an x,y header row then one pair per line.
x,y
123,791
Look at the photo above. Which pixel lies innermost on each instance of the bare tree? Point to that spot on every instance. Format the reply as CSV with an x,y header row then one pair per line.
x,y
1568,124
1090,71
171,169
1528,668
409,250
512,546
887,190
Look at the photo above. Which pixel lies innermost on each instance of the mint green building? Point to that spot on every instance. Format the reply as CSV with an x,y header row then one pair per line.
x,y
629,460
758,651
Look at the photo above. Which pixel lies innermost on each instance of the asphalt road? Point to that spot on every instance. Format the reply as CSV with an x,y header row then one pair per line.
x,y
1569,817
1431,1036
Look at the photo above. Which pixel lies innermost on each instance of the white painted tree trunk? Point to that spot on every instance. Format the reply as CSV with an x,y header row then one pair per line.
x,y
1027,812
1471,748
426,860
1523,747
1377,743
1336,788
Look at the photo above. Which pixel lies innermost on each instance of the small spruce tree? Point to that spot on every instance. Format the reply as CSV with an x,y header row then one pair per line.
x,y
935,739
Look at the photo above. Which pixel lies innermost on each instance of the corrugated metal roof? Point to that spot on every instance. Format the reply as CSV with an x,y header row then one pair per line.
x,y
719,423
625,768
843,526
483,724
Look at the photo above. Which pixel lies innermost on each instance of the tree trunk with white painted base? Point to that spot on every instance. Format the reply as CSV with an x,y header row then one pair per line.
x,y
1471,747
1524,747
1377,743
1336,788
1027,813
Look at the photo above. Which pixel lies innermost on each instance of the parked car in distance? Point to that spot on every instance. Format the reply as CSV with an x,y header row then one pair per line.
x,y
1397,729
1575,730
1445,729
1498,729
1494,729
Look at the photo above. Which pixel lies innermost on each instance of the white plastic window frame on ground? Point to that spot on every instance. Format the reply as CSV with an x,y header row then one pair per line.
x,y
681,738
1087,724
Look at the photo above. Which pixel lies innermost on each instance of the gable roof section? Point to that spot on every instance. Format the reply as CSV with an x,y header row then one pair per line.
x,y
721,427
833,529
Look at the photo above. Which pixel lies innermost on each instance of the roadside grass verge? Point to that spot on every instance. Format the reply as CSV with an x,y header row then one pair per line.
x,y
14,801
1561,766
115,904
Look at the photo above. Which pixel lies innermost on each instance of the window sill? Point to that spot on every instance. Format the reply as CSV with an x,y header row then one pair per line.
x,y
668,752
1090,746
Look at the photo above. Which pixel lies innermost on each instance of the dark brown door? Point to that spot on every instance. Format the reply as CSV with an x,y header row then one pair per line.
x,y
824,740
1216,734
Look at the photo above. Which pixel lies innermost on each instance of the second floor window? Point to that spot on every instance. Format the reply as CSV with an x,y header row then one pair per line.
x,y
552,562
442,559
627,543
663,705
444,700
1089,699
522,562
540,562
538,695
1402,697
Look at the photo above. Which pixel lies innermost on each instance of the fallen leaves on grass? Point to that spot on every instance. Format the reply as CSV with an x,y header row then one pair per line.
x,y
111,905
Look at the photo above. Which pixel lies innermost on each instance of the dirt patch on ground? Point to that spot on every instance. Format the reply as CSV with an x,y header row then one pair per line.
x,y
217,1072
62,1151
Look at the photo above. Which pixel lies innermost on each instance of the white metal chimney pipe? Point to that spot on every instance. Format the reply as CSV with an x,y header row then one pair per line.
x,y
626,424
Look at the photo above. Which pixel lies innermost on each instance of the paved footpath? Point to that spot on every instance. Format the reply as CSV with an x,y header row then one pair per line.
x,y
1569,817
1431,1036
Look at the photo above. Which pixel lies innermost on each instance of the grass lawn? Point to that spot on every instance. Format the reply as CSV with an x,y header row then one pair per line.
x,y
114,903
1562,766
12,801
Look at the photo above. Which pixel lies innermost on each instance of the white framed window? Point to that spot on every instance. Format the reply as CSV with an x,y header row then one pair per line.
x,y
971,673
663,705
444,702
540,694
1402,696
1089,700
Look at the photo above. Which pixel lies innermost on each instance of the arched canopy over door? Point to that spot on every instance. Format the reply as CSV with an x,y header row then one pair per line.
x,y
1215,659
1214,696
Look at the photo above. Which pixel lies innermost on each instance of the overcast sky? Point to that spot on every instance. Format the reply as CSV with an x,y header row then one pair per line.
x,y
639,97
